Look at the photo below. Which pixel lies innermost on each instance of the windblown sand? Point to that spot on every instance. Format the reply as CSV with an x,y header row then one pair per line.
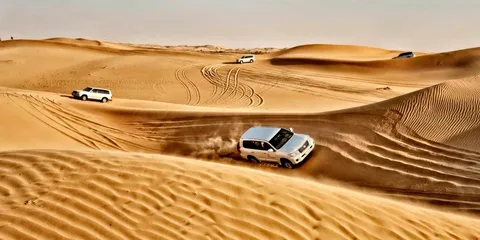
x,y
159,161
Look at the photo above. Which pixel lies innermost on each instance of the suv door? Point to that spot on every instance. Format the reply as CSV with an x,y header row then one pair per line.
x,y
96,94
263,153
104,93
255,149
268,156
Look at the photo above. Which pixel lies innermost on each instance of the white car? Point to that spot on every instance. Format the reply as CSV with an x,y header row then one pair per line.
x,y
405,55
275,145
93,93
248,58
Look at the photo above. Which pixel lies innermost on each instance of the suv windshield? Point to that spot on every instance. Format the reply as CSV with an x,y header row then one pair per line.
x,y
281,138
87,89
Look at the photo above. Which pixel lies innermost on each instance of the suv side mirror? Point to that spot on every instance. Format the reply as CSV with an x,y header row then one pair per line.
x,y
270,150
291,129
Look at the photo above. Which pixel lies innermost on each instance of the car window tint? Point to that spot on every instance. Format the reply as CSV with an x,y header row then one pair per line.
x,y
265,146
248,144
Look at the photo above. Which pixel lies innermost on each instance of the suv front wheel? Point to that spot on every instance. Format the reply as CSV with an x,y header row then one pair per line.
x,y
84,97
287,164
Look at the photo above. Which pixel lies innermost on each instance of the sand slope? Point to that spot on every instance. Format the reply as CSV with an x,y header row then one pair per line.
x,y
446,113
107,195
207,79
407,128
370,148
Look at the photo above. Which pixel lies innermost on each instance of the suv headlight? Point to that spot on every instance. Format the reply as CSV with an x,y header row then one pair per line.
x,y
294,154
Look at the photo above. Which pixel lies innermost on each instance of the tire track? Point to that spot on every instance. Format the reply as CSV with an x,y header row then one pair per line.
x,y
209,73
237,88
252,96
215,79
64,121
230,86
189,85
158,88
304,85
305,88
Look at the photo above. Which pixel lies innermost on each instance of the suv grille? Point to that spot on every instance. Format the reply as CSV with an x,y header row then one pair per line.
x,y
304,146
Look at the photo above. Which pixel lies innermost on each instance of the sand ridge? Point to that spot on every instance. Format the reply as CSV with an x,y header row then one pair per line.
x,y
115,195
444,113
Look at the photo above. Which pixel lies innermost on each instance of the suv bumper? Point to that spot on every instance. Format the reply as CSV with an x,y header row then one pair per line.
x,y
300,158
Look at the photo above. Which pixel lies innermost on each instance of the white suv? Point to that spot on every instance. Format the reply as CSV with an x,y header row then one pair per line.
x,y
405,55
275,145
248,58
93,93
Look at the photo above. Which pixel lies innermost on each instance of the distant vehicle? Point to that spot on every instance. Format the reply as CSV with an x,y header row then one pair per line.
x,y
93,93
247,58
275,145
405,55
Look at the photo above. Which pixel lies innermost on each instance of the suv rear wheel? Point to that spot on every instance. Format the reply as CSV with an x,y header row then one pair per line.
x,y
104,100
252,159
251,60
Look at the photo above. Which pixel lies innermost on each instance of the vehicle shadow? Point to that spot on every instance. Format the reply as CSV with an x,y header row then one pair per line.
x,y
71,97
230,62
66,96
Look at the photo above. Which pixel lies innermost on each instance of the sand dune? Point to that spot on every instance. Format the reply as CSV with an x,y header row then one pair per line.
x,y
339,52
370,148
108,195
94,43
446,113
201,79
147,165
427,68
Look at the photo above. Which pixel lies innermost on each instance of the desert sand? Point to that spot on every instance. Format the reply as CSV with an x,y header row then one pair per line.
x,y
396,156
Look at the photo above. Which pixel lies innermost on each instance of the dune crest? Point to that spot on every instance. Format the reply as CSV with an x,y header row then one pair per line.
x,y
339,52
425,67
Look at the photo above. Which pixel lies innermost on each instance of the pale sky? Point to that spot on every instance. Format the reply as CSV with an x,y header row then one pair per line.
x,y
418,25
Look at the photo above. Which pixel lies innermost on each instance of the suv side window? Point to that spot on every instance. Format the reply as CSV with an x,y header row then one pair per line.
x,y
256,145
95,91
248,144
264,146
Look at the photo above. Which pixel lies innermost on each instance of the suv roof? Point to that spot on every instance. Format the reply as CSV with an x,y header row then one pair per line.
x,y
98,88
261,133
405,53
